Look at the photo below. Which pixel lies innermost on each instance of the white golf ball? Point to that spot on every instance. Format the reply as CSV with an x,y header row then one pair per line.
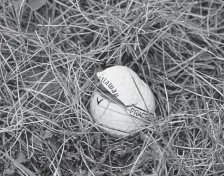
x,y
125,106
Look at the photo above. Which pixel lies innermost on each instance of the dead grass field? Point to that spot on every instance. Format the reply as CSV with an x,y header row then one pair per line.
x,y
48,64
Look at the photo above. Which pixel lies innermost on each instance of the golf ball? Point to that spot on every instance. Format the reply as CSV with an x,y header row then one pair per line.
x,y
122,103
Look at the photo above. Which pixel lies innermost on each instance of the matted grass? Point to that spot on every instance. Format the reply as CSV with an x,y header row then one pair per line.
x,y
48,64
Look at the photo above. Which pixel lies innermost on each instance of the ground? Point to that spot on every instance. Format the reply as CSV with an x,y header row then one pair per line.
x,y
49,58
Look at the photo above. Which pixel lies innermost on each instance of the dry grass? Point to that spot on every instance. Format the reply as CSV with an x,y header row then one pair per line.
x,y
48,62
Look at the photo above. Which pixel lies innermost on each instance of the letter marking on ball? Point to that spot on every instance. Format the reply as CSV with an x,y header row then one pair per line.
x,y
98,101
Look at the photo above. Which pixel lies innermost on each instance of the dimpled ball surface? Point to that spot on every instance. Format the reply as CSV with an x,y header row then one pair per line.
x,y
112,117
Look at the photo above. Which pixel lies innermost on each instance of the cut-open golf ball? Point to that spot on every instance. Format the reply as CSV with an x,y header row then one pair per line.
x,y
122,103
